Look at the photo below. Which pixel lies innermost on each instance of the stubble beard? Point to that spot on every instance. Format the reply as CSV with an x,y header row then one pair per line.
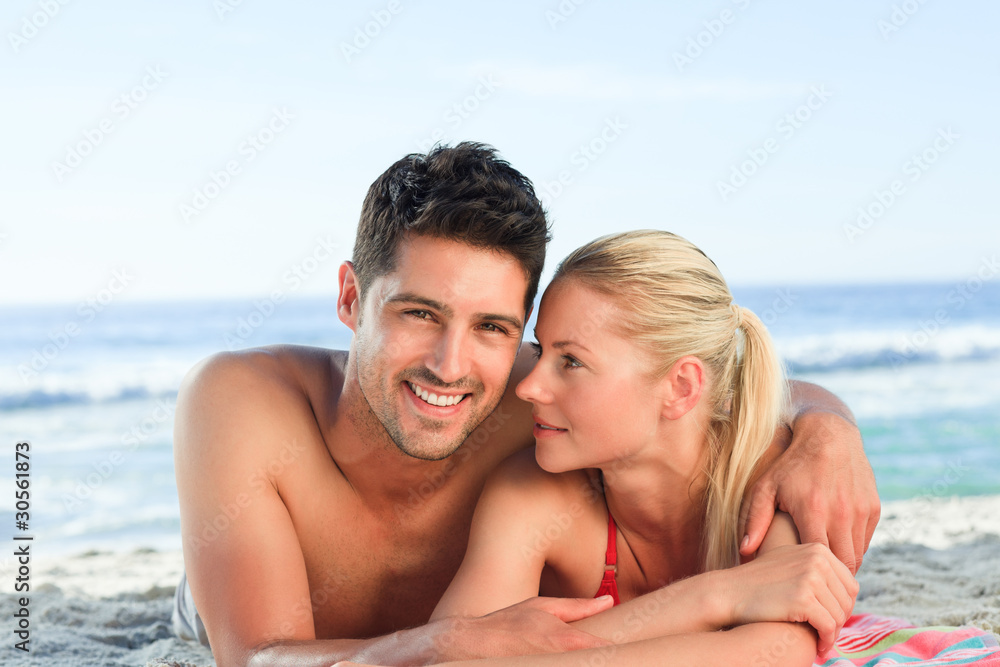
x,y
427,445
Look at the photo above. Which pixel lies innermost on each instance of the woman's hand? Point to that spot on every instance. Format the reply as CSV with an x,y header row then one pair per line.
x,y
800,584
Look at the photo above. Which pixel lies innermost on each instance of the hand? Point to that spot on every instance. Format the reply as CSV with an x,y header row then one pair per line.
x,y
537,625
803,583
825,482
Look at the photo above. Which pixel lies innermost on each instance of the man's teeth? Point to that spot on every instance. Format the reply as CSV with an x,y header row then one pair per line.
x,y
434,399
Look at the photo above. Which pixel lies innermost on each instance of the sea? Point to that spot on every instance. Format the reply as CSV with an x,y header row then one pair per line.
x,y
92,388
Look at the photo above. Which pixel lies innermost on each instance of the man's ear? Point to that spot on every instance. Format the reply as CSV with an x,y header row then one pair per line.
x,y
349,299
682,387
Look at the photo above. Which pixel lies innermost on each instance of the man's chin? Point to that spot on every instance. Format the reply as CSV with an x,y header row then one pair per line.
x,y
426,452
430,442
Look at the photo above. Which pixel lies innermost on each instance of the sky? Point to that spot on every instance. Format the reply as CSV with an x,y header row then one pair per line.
x,y
222,148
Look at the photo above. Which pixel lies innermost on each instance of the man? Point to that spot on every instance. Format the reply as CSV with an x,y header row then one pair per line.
x,y
326,496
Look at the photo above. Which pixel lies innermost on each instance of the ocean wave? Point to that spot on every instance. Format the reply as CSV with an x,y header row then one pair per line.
x,y
40,398
855,350
97,381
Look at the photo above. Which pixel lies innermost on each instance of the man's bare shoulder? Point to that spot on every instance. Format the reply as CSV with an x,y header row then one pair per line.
x,y
274,368
276,372
279,388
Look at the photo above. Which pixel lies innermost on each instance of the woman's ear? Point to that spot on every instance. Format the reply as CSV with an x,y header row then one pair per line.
x,y
682,387
349,300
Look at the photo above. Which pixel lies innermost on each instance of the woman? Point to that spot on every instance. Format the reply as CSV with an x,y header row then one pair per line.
x,y
655,400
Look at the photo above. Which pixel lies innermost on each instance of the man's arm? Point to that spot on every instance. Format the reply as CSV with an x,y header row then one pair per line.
x,y
785,582
535,626
757,645
242,555
823,480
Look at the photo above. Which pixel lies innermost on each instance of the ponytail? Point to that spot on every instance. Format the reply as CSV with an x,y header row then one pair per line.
x,y
758,401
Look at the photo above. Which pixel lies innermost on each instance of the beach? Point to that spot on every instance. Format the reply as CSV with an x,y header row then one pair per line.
x,y
933,561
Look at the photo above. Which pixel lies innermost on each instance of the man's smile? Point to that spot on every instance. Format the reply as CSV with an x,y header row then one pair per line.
x,y
435,398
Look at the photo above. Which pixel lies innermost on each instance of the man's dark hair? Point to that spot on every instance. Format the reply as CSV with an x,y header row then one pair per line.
x,y
466,193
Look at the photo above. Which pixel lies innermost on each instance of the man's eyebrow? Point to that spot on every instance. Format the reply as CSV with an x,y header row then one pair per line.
x,y
410,297
565,343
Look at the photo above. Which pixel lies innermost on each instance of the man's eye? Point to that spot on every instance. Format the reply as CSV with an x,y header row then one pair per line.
x,y
420,314
489,326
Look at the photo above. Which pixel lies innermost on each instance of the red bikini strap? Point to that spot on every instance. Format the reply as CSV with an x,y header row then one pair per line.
x,y
611,557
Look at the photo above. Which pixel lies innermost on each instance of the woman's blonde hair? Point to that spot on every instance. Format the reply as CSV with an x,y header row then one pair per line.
x,y
675,303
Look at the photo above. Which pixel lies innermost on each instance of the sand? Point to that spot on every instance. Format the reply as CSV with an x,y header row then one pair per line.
x,y
933,561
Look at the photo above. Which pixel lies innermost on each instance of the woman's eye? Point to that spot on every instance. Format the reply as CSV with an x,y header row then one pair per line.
x,y
570,362
536,350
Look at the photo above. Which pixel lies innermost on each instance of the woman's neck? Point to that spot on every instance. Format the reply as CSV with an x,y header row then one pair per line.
x,y
657,500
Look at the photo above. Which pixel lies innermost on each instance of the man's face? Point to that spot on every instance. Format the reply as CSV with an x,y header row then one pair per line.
x,y
436,342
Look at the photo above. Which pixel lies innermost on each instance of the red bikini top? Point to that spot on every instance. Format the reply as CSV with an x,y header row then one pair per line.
x,y
608,584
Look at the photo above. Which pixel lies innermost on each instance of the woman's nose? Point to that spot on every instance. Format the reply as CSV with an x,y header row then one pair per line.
x,y
532,388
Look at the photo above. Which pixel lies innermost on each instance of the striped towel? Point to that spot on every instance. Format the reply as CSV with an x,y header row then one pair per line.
x,y
877,640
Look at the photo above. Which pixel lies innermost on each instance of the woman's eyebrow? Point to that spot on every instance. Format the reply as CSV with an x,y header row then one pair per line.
x,y
569,343
564,343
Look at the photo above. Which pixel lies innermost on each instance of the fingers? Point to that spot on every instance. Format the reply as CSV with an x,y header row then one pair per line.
x,y
847,591
577,640
573,609
824,616
842,547
841,601
873,518
858,529
835,590
842,541
812,525
756,516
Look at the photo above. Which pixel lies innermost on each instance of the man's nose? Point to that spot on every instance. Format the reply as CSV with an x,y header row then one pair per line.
x,y
450,360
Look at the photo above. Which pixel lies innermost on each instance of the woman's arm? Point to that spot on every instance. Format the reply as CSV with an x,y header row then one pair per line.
x,y
785,583
756,644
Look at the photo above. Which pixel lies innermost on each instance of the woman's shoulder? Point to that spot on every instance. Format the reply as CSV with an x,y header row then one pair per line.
x,y
519,483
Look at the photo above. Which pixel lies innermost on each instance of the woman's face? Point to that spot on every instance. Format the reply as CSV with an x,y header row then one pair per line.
x,y
593,404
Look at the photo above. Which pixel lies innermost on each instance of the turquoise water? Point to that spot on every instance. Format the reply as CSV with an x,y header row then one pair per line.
x,y
951,454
